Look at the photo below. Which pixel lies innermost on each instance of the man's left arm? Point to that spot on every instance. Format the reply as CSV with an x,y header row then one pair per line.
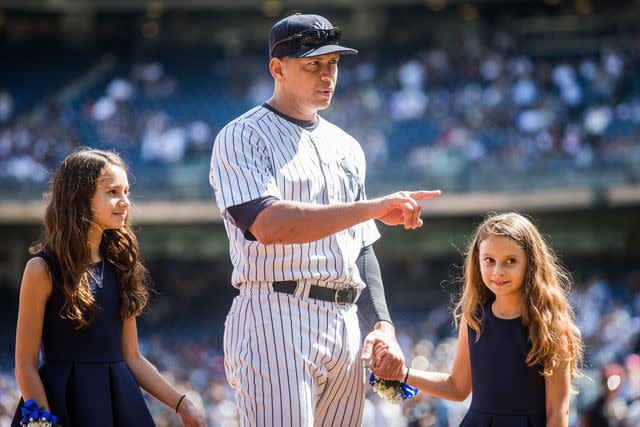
x,y
372,306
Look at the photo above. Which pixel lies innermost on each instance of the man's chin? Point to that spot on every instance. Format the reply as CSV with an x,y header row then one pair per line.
x,y
321,105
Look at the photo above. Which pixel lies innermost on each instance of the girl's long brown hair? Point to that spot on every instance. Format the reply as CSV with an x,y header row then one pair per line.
x,y
67,220
554,336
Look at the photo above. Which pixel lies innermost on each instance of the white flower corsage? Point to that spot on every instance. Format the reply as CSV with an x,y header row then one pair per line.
x,y
392,391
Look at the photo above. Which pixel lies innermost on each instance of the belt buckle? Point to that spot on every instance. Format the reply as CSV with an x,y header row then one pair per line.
x,y
349,296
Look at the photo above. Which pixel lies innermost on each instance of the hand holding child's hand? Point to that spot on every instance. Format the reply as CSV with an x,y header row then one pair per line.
x,y
379,351
389,364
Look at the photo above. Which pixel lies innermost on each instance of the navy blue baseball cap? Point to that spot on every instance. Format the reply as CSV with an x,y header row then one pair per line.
x,y
303,36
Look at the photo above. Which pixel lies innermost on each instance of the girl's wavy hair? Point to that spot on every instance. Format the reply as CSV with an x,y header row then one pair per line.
x,y
554,336
67,220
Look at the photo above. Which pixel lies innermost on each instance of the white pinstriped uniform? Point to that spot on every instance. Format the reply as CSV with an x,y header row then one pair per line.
x,y
292,360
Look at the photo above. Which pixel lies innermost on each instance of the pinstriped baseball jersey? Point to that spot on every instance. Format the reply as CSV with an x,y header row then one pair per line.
x,y
263,154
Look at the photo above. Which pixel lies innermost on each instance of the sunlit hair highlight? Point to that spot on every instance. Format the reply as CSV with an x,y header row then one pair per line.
x,y
67,220
555,338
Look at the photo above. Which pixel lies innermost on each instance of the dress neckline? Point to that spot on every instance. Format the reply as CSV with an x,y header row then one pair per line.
x,y
502,318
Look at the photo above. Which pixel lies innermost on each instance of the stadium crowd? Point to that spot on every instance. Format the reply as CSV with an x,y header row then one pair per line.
x,y
438,108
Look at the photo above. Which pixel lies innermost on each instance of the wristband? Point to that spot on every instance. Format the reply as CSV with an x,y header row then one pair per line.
x,y
406,377
179,402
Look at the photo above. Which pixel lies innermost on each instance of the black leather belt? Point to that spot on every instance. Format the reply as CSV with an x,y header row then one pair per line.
x,y
342,296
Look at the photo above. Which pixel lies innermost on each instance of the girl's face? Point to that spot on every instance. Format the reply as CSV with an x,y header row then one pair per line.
x,y
110,202
503,265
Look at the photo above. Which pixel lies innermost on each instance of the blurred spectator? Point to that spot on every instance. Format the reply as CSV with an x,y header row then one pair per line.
x,y
162,142
6,107
120,90
606,410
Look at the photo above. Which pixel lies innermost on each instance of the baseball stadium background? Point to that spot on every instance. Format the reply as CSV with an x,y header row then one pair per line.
x,y
526,105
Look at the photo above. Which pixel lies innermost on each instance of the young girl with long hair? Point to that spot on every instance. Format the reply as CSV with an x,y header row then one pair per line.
x,y
79,299
518,345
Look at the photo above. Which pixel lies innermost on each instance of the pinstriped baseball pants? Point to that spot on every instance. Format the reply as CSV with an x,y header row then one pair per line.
x,y
293,361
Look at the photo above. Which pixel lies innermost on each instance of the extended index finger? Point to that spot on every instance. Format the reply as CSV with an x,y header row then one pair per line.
x,y
425,194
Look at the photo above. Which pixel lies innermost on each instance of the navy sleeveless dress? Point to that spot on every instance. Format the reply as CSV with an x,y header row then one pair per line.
x,y
506,393
85,377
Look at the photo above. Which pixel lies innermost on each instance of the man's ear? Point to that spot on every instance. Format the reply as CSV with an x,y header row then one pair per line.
x,y
276,67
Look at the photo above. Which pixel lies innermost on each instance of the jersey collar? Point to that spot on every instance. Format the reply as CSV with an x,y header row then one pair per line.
x,y
309,125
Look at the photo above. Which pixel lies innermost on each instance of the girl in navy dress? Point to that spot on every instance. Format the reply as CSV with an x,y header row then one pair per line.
x,y
79,299
518,346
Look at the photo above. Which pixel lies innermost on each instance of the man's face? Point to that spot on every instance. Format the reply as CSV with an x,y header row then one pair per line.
x,y
310,82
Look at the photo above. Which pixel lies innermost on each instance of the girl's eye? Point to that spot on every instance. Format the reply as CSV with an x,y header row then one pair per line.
x,y
511,261
488,260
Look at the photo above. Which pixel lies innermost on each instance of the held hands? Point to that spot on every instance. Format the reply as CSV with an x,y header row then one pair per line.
x,y
189,415
402,208
381,346
380,350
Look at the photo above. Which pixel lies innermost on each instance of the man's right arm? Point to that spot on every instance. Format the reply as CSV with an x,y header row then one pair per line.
x,y
240,179
289,222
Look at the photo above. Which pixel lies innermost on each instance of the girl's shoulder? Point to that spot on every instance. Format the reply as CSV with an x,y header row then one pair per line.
x,y
37,265
45,260
37,278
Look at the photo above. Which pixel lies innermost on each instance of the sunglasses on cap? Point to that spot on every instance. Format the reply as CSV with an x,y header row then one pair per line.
x,y
312,37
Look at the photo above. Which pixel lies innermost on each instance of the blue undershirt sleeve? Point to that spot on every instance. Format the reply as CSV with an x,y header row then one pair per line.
x,y
372,303
246,213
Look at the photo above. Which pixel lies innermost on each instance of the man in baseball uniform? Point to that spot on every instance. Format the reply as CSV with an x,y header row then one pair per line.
x,y
290,188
